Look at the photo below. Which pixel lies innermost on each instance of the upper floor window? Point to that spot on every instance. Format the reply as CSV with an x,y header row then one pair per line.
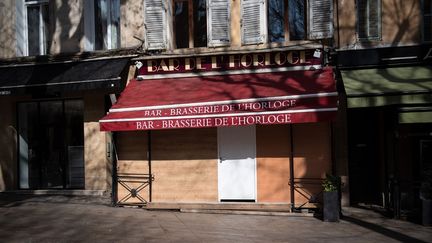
x,y
200,23
190,23
194,23
427,20
369,19
285,20
286,23
32,26
102,24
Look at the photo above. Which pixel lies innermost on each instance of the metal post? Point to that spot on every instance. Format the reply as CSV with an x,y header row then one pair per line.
x,y
149,156
114,171
292,188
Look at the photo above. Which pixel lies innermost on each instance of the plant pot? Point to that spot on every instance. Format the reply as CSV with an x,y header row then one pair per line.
x,y
427,212
331,207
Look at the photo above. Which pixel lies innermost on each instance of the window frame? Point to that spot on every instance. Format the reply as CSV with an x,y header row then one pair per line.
x,y
112,31
22,27
379,21
423,21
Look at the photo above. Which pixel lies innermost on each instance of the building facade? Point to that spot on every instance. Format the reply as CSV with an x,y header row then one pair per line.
x,y
225,101
384,78
214,101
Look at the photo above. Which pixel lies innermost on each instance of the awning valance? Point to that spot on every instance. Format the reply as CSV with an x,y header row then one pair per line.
x,y
226,100
388,86
62,77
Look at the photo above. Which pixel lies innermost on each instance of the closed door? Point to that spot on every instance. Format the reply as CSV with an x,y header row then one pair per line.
x,y
237,164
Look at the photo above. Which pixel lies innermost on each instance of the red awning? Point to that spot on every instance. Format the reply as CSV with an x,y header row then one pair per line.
x,y
226,100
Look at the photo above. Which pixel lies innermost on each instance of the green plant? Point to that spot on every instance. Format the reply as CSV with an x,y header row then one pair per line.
x,y
331,183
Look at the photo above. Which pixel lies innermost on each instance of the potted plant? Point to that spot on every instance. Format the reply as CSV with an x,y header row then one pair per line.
x,y
426,198
331,202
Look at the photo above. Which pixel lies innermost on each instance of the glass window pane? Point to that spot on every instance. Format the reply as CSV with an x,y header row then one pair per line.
x,y
296,17
28,146
427,33
45,35
276,20
33,31
427,7
101,20
181,21
115,24
200,23
74,138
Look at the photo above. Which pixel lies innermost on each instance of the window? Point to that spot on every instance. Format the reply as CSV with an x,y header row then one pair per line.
x,y
102,25
369,19
32,27
278,17
194,23
206,23
190,23
287,20
427,20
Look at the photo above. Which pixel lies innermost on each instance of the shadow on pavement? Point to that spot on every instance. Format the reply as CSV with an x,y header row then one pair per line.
x,y
379,229
15,200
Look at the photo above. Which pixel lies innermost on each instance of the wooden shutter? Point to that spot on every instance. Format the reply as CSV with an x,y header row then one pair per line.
x,y
320,19
218,22
253,21
20,32
155,21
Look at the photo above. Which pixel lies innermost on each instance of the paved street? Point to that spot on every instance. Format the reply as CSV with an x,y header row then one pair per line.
x,y
25,218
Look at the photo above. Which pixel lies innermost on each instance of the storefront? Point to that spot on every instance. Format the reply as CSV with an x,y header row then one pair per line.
x,y
389,127
233,127
50,136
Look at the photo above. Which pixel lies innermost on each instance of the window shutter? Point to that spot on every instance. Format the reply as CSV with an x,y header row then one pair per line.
x,y
21,35
253,21
155,21
320,19
218,22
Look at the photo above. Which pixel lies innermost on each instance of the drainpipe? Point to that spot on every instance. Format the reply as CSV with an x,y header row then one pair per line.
x,y
149,156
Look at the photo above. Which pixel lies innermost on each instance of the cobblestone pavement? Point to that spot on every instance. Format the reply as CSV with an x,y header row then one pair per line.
x,y
25,218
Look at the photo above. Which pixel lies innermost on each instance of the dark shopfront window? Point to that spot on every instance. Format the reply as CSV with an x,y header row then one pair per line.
x,y
51,144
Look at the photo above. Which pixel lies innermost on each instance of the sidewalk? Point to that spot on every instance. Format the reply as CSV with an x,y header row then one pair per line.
x,y
26,218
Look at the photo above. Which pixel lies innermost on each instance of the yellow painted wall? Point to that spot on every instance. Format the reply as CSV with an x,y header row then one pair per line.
x,y
8,145
66,26
97,166
7,29
132,22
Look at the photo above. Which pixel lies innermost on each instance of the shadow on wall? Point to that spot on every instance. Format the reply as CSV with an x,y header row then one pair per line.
x,y
7,37
8,165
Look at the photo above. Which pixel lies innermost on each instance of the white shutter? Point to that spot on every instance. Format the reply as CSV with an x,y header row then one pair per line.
x,y
20,32
320,19
253,21
218,22
155,21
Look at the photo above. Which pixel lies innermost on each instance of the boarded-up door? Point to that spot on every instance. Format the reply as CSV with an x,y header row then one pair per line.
x,y
237,164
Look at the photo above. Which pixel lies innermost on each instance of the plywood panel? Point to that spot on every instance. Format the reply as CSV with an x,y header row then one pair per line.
x,y
132,148
273,157
312,158
184,165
